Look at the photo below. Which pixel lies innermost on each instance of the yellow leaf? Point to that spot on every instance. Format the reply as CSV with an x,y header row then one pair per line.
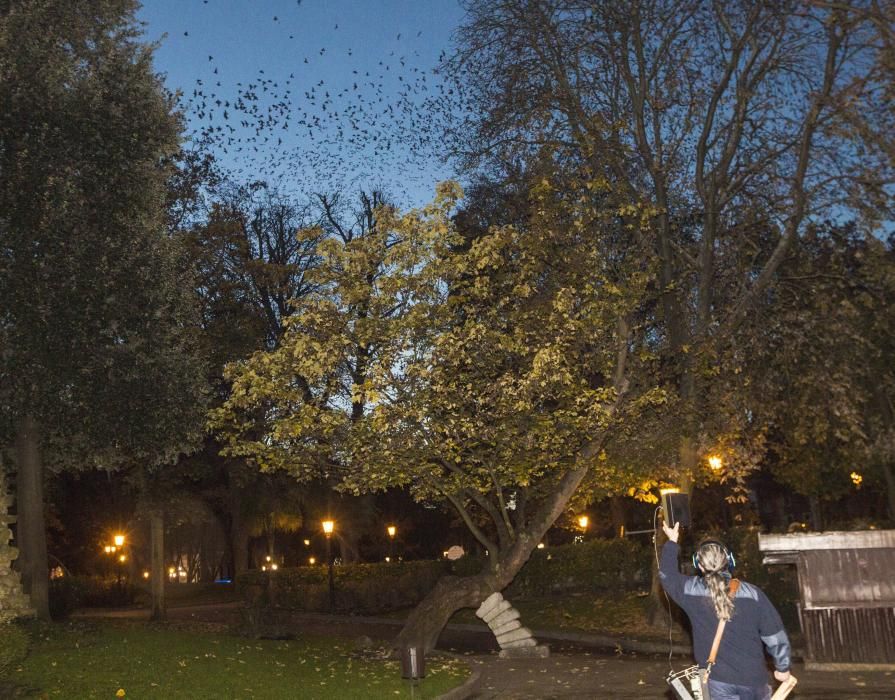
x,y
120,693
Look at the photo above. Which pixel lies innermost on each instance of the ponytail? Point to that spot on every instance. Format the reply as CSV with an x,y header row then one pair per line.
x,y
713,560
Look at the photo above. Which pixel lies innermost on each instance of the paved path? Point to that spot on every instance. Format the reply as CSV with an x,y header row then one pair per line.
x,y
580,666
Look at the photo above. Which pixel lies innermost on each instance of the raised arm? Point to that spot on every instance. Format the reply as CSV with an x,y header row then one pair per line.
x,y
670,577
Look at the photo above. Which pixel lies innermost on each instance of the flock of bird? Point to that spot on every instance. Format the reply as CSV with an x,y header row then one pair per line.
x,y
379,124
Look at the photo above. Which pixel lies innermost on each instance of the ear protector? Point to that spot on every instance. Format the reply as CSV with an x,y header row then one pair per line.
x,y
731,560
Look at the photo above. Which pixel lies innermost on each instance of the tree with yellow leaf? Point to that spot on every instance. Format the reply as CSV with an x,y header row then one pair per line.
x,y
489,370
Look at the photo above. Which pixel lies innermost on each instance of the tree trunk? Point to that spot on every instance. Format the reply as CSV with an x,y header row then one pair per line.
x,y
157,558
31,535
657,607
618,510
450,594
239,538
889,474
817,519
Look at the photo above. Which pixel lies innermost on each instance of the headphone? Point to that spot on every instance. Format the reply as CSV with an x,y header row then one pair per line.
x,y
731,560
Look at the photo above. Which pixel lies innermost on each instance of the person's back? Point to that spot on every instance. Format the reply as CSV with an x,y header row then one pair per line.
x,y
753,623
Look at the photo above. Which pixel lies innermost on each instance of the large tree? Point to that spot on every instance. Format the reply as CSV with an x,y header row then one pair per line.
x,y
737,124
823,378
97,360
489,372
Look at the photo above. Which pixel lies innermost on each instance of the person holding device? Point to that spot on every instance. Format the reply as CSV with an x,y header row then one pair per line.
x,y
734,617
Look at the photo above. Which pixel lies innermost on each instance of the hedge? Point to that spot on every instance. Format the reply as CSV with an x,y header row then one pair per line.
x,y
593,565
359,588
376,588
68,593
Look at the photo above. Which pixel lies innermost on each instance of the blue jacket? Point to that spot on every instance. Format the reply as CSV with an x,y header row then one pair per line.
x,y
755,624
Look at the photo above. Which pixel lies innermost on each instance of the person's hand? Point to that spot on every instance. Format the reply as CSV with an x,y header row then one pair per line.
x,y
672,533
781,675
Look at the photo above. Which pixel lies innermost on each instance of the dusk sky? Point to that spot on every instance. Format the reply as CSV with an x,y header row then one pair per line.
x,y
311,95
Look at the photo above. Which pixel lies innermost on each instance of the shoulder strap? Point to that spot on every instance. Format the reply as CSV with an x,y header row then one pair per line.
x,y
731,591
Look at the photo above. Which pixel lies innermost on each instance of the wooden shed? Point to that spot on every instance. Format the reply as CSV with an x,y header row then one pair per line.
x,y
847,595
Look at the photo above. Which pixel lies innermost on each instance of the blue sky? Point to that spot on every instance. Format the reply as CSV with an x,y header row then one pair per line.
x,y
332,90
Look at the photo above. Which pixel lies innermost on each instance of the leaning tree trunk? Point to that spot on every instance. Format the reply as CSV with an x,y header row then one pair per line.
x,y
157,558
31,534
428,619
451,593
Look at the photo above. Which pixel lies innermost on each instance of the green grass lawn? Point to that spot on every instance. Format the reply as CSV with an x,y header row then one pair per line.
x,y
622,614
145,661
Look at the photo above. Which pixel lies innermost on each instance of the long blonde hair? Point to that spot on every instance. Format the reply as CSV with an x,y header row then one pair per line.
x,y
713,561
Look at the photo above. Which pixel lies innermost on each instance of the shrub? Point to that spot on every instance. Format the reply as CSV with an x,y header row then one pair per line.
x,y
14,643
71,592
594,565
66,594
359,588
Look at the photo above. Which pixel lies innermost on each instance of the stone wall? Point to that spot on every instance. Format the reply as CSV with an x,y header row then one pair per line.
x,y
13,601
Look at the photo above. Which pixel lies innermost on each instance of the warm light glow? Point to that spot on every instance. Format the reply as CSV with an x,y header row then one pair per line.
x,y
172,571
119,540
274,567
445,554
145,574
715,463
312,560
267,558
671,490
391,530
122,558
388,559
307,543
108,549
264,568
328,526
856,478
583,520
540,545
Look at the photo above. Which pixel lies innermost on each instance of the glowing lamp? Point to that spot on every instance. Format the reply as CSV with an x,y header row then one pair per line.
x,y
715,463
392,530
328,527
583,520
119,540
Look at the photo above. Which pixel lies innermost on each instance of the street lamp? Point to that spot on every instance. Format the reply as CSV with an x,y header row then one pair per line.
x,y
392,531
119,540
328,527
715,462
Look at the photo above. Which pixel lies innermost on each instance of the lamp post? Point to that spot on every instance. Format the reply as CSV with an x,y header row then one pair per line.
x,y
392,531
328,527
116,550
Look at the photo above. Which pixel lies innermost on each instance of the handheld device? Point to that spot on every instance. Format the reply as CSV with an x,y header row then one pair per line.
x,y
675,507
